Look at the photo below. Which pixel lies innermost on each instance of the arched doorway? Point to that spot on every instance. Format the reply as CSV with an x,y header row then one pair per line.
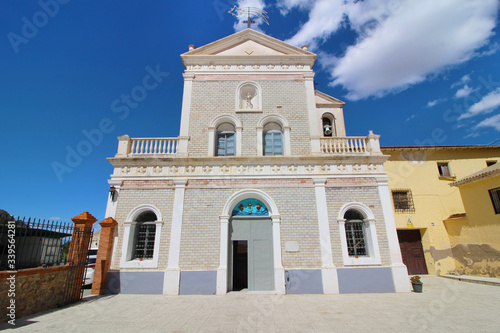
x,y
250,237
250,250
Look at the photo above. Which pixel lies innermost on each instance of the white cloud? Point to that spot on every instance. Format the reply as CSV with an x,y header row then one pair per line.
x,y
492,49
400,43
435,102
54,218
325,18
410,118
239,25
493,121
486,105
286,5
463,92
463,80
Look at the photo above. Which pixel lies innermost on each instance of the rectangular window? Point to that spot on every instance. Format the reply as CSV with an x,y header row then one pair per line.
x,y
355,236
444,169
403,201
273,143
495,199
226,144
145,242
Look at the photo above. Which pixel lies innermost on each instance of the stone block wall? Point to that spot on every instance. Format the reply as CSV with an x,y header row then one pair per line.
x,y
36,290
285,96
340,192
296,201
204,202
135,193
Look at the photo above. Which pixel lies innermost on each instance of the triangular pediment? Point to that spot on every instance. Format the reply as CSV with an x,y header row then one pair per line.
x,y
250,48
239,40
249,45
326,101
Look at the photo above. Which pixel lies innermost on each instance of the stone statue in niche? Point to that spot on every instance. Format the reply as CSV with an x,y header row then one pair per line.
x,y
249,101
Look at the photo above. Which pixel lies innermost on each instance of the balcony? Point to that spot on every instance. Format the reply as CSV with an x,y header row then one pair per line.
x,y
344,145
169,147
130,147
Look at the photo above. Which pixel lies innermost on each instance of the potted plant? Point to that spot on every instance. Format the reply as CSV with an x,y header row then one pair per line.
x,y
416,283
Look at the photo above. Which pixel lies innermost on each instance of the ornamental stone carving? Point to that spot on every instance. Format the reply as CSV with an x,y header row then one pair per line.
x,y
157,169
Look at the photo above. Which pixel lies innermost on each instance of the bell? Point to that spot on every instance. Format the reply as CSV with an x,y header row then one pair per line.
x,y
327,129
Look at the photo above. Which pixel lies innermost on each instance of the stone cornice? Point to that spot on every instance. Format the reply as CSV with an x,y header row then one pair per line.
x,y
259,170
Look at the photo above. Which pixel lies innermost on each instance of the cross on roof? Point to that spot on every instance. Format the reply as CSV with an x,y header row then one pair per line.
x,y
250,12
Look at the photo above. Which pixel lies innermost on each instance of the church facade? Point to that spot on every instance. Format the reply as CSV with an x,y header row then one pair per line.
x,y
261,192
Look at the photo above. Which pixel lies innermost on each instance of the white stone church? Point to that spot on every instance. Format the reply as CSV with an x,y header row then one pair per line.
x,y
261,192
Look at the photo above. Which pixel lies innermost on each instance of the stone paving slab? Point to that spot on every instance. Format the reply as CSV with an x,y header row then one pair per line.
x,y
445,305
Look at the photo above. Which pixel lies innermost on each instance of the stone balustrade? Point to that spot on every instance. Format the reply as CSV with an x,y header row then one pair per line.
x,y
362,145
367,145
146,146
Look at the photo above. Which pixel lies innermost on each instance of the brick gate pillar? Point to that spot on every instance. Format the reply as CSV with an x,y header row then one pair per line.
x,y
103,260
78,250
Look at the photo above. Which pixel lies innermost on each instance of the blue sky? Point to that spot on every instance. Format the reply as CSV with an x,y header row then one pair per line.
x,y
417,72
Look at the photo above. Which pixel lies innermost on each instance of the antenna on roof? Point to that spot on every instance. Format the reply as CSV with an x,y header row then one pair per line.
x,y
250,12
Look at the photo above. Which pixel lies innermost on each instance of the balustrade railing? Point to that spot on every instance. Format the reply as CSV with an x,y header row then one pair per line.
x,y
344,145
152,146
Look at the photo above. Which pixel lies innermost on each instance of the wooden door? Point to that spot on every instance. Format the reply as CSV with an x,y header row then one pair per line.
x,y
410,243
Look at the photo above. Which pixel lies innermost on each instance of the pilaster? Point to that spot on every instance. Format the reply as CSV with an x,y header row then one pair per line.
x,y
399,270
185,115
328,269
172,273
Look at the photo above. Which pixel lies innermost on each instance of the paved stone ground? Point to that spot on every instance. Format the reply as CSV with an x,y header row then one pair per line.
x,y
445,305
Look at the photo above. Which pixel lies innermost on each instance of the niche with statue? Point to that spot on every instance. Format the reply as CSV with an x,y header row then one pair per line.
x,y
249,98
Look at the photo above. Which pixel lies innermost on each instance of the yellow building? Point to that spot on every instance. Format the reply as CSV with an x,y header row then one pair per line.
x,y
427,210
475,238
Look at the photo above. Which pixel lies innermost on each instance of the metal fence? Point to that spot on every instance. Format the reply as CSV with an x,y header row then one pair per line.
x,y
34,243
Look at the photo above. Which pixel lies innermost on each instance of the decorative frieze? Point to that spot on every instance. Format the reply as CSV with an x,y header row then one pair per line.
x,y
248,67
248,170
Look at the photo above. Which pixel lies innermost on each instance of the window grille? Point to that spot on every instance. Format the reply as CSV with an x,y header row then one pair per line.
x,y
403,201
355,234
444,169
495,199
145,242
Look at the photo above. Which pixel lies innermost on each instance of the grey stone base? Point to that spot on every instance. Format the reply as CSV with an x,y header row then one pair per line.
x,y
365,280
134,282
304,281
198,283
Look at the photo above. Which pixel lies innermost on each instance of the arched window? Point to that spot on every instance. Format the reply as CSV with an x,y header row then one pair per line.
x,y
226,140
141,238
358,235
145,235
273,136
355,234
273,139
224,136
